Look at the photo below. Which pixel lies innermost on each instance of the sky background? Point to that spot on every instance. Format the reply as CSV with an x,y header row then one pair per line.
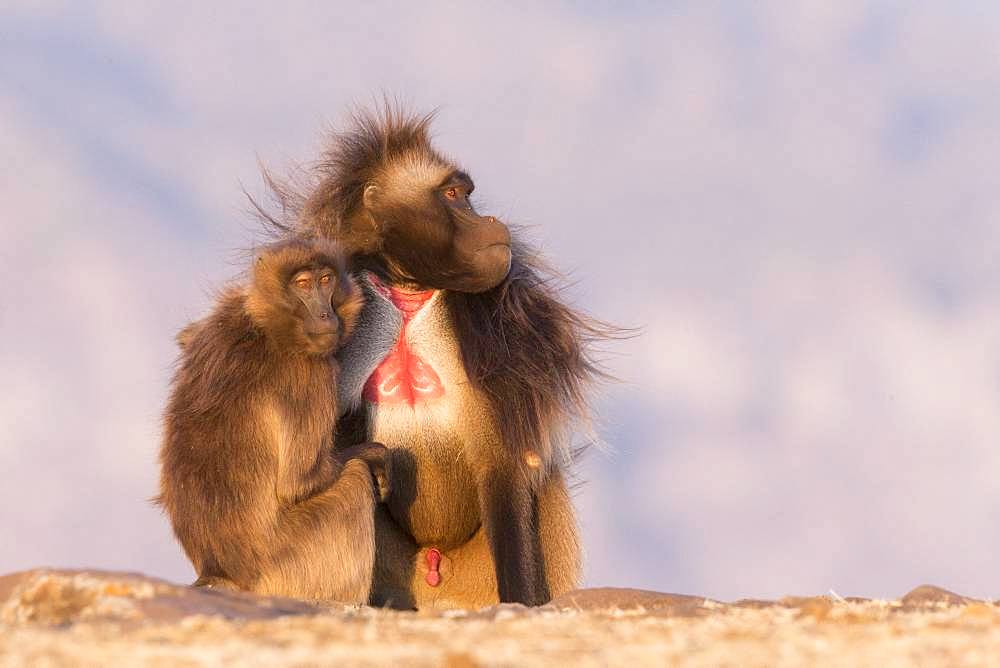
x,y
798,202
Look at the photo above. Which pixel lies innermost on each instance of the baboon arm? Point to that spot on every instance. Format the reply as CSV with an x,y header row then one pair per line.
x,y
510,517
351,490
326,544
294,487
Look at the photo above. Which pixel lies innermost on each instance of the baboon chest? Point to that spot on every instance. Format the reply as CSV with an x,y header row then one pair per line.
x,y
420,404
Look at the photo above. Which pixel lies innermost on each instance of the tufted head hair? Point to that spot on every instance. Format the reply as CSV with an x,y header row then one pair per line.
x,y
269,303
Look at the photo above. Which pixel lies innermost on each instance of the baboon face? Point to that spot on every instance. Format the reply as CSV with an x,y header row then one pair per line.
x,y
431,233
402,209
315,293
302,297
326,303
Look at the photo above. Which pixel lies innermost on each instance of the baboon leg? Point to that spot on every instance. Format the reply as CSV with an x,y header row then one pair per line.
x,y
394,564
508,507
468,576
560,537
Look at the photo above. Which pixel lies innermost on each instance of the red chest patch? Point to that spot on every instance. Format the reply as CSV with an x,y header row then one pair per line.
x,y
403,377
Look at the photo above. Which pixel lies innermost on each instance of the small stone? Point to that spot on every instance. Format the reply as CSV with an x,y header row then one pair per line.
x,y
63,597
926,595
613,598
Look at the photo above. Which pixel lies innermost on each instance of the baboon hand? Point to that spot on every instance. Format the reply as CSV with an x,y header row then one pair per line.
x,y
378,459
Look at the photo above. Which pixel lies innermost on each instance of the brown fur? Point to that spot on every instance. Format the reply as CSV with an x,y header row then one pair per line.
x,y
488,490
249,478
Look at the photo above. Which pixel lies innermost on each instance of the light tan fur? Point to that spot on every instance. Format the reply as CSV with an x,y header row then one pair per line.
x,y
411,175
454,440
468,574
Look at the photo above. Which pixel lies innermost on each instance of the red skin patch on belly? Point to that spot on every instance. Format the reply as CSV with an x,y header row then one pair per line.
x,y
403,377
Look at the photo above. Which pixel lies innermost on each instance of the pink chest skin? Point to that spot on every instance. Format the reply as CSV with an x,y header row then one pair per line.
x,y
403,377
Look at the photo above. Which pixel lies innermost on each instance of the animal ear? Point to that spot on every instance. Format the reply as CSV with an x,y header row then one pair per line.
x,y
370,196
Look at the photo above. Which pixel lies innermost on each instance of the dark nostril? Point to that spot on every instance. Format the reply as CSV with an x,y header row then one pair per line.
x,y
325,315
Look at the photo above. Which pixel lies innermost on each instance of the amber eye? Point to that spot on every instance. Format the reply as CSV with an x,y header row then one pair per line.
x,y
303,283
451,193
324,280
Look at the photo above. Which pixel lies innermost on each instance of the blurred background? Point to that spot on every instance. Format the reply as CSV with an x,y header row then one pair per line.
x,y
797,202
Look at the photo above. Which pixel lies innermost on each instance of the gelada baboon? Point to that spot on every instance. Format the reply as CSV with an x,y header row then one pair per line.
x,y
466,365
249,478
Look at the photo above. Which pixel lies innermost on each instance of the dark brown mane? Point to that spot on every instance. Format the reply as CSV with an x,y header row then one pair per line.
x,y
318,201
353,159
532,354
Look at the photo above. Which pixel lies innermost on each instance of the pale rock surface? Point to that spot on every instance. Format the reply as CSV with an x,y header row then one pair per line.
x,y
85,618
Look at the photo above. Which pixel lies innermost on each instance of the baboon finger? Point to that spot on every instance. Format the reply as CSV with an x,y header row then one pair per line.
x,y
377,457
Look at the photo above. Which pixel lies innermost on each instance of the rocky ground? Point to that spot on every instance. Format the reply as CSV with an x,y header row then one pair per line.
x,y
68,618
